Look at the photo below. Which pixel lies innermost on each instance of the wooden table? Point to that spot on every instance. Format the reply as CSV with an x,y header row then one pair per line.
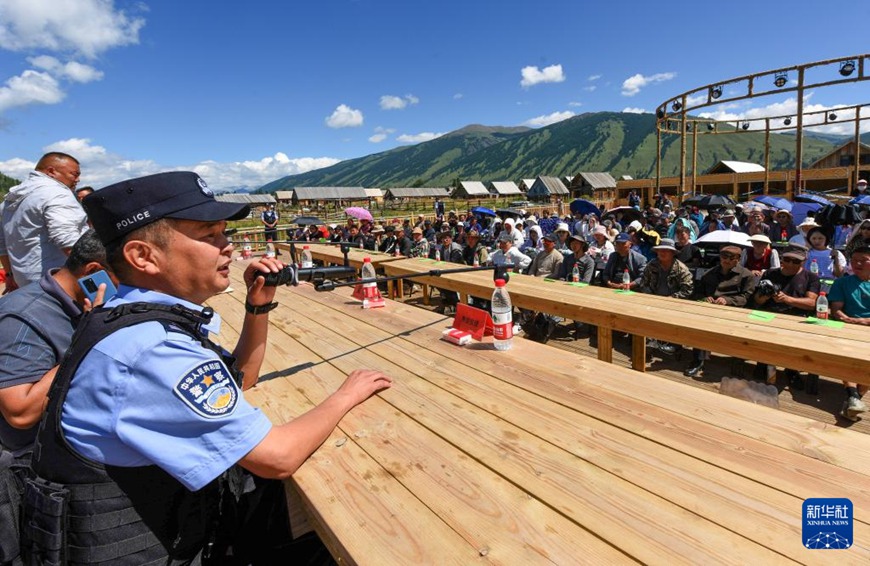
x,y
332,255
536,455
786,341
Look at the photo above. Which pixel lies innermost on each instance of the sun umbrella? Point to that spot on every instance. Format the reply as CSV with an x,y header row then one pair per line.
x,y
812,197
719,237
482,211
583,206
774,202
505,212
629,213
801,210
709,201
306,221
359,213
838,214
863,200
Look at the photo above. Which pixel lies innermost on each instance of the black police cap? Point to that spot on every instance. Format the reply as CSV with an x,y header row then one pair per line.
x,y
118,209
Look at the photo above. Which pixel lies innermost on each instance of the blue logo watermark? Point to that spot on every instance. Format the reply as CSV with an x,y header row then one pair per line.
x,y
827,523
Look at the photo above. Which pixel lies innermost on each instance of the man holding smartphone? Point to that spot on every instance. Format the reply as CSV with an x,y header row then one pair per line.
x,y
145,408
36,326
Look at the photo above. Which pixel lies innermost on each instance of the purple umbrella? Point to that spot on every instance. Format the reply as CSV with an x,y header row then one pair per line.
x,y
359,213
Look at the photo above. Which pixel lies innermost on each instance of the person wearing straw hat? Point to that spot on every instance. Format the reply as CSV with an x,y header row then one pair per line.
x,y
665,275
800,237
729,284
762,257
783,229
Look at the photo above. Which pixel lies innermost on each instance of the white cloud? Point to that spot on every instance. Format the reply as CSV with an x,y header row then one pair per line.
x,y
844,125
381,134
590,88
575,104
634,83
344,117
418,138
74,71
631,110
591,78
30,87
548,119
533,75
101,167
88,27
390,102
458,96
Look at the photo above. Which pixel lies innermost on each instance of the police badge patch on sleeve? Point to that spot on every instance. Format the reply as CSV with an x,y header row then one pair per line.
x,y
209,390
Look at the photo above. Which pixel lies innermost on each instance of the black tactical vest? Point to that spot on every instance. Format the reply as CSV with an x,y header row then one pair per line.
x,y
78,511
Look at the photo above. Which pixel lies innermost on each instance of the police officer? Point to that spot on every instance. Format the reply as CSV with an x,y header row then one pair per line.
x,y
146,421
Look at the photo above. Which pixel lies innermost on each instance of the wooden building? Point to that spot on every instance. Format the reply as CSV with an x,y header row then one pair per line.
x,y
547,188
470,190
599,187
505,189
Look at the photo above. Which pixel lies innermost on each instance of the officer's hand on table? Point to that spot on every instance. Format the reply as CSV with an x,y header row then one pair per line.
x,y
258,293
362,384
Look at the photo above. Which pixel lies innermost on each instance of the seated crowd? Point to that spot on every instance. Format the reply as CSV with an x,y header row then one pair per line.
x,y
782,268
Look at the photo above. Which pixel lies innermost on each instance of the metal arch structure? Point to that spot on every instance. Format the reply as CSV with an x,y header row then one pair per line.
x,y
673,115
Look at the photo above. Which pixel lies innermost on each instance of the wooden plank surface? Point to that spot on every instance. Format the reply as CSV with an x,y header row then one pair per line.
x,y
787,342
331,254
536,455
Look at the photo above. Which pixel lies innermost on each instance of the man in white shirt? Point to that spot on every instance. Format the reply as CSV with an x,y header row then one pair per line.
x,y
41,220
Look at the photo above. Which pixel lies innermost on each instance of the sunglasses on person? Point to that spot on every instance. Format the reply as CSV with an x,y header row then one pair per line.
x,y
791,260
727,255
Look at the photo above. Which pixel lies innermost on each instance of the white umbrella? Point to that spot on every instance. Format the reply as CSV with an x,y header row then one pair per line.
x,y
719,237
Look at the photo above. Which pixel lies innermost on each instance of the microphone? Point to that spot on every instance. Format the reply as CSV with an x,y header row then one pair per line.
x,y
292,275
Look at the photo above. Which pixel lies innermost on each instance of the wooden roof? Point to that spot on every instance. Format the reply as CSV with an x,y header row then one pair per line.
x,y
330,193
735,167
244,198
545,186
848,145
506,188
374,193
474,188
595,180
418,192
284,195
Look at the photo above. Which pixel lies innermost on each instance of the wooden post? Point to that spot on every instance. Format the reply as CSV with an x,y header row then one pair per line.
x,y
605,344
766,155
854,182
638,352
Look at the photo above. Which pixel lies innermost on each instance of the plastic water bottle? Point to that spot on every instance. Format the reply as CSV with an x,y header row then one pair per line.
x,y
270,249
575,274
476,262
502,317
626,279
246,249
369,289
307,260
822,306
814,267
437,255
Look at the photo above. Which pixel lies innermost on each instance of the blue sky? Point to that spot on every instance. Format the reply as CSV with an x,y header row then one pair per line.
x,y
247,92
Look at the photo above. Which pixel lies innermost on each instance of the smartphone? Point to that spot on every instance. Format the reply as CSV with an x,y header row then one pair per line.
x,y
90,284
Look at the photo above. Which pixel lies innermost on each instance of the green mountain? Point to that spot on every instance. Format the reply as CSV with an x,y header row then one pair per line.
x,y
619,143
7,183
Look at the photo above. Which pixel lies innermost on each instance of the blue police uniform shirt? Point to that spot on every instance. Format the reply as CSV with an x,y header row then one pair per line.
x,y
151,394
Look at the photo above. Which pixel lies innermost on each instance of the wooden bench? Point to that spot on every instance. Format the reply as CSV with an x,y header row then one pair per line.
x,y
536,455
786,341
